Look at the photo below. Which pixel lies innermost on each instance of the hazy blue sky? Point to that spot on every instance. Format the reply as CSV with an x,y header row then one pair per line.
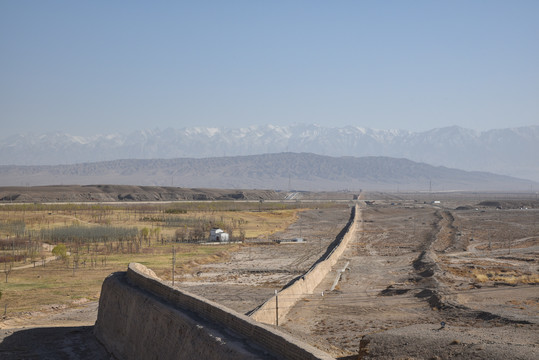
x,y
88,67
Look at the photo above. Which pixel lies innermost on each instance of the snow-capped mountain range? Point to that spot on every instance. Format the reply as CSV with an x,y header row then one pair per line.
x,y
512,151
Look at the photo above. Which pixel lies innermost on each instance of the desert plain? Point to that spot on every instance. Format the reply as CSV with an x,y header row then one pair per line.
x,y
427,276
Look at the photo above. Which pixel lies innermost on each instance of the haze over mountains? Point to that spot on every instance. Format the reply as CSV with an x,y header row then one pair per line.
x,y
283,171
512,152
353,158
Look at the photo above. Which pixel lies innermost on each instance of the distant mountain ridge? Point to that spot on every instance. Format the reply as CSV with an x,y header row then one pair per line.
x,y
503,151
282,171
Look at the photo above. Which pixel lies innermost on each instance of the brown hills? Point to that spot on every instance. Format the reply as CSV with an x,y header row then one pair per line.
x,y
284,171
109,193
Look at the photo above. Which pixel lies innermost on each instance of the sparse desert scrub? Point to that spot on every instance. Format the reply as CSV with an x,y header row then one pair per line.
x,y
60,283
101,239
485,271
511,277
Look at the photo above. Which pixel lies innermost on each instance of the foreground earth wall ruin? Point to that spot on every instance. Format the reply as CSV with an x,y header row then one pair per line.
x,y
142,317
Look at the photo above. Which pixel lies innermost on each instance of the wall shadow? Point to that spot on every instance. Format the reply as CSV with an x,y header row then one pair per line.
x,y
51,343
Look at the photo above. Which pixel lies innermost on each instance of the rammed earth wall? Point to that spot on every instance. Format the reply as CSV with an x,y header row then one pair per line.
x,y
141,317
299,287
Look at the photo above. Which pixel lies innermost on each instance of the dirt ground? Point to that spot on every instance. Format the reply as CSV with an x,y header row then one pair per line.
x,y
54,333
252,274
470,263
413,266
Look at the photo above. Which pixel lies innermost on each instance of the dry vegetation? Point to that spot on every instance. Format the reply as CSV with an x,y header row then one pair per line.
x,y
468,261
34,279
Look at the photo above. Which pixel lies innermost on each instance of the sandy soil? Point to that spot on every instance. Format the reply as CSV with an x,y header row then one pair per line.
x,y
412,265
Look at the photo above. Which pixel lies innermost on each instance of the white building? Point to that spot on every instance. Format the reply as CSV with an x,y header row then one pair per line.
x,y
218,235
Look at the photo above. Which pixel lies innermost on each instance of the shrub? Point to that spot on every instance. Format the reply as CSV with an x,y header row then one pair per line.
x,y
60,251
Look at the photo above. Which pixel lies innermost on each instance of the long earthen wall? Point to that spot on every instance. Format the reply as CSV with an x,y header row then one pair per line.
x,y
142,317
275,309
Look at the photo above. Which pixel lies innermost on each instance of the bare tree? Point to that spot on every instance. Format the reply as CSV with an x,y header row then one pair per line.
x,y
242,235
7,270
145,232
155,232
198,233
181,234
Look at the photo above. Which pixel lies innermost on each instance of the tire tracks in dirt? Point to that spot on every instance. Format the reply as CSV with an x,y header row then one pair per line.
x,y
437,290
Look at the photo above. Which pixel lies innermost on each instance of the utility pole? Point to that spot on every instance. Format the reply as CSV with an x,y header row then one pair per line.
x,y
276,309
173,263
